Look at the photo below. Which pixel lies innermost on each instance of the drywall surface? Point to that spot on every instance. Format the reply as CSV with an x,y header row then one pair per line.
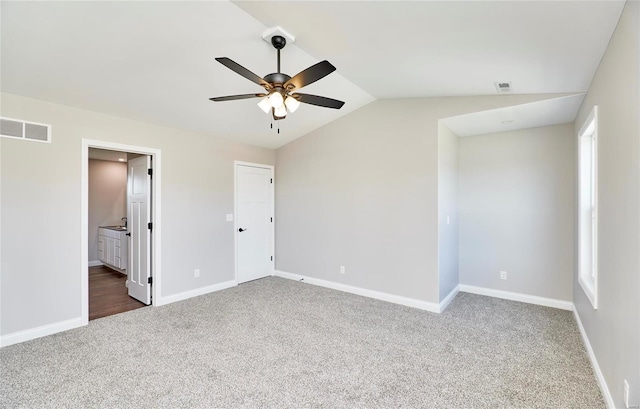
x,y
362,192
516,208
107,198
40,208
614,328
448,274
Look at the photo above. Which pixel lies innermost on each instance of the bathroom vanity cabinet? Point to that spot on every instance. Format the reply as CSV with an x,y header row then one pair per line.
x,y
113,247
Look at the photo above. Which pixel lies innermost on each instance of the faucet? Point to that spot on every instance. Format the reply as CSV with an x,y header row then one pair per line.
x,y
125,222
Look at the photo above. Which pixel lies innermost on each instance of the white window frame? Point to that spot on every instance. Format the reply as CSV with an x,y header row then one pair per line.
x,y
588,274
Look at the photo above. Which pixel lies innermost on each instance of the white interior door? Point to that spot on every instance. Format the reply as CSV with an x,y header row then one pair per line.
x,y
254,222
139,219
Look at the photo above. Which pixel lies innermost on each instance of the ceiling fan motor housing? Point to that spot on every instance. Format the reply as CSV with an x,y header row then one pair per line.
x,y
277,78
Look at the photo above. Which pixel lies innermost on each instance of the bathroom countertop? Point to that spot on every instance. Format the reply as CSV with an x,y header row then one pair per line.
x,y
116,228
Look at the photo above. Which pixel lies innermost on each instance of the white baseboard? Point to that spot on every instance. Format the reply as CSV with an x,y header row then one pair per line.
x,y
507,295
26,335
447,300
194,293
606,394
95,263
38,332
396,299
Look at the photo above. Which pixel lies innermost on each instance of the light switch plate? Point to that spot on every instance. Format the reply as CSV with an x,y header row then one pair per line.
x,y
229,217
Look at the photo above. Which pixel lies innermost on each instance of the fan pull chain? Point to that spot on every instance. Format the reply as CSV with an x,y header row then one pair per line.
x,y
278,127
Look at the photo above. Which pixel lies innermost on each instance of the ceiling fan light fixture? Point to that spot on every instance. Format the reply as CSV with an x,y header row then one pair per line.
x,y
276,100
277,97
265,105
280,111
292,104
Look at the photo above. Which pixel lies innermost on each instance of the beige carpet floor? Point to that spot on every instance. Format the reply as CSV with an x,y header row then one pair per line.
x,y
275,343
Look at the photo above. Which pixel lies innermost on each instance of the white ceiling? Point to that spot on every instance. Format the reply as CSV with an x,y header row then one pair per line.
x,y
154,61
541,113
399,49
104,154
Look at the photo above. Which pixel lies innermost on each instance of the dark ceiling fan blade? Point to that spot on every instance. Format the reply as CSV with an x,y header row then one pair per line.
x,y
234,97
319,101
310,75
239,69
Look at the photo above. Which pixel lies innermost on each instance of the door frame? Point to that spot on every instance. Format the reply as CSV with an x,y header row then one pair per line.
x,y
237,163
156,212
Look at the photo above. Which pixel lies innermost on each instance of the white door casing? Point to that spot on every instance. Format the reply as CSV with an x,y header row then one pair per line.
x,y
156,215
254,232
138,218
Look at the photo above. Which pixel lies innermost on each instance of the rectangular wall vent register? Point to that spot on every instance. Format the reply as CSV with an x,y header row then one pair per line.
x,y
29,131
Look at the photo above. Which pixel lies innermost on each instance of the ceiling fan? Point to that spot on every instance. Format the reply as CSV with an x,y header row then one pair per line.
x,y
280,97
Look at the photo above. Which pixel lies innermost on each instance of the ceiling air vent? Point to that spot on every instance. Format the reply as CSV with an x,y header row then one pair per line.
x,y
503,87
30,131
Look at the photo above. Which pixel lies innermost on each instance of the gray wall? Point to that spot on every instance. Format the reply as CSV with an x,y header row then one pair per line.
x,y
448,270
516,210
107,198
362,192
614,328
40,208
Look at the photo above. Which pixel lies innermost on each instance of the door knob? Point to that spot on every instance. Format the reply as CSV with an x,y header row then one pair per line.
x,y
128,234
241,229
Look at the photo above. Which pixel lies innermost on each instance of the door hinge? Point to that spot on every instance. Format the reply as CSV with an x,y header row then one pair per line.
x,y
272,180
271,219
150,172
150,226
271,258
150,280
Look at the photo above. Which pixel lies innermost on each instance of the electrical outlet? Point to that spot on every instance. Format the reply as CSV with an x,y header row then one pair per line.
x,y
503,275
196,273
342,270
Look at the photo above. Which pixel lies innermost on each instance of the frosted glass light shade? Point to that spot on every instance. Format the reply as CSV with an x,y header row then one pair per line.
x,y
292,104
265,105
280,111
275,99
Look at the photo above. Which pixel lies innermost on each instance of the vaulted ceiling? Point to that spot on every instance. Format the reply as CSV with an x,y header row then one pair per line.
x,y
154,61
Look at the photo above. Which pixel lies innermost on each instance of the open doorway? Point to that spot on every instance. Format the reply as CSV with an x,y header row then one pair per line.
x,y
120,219
110,247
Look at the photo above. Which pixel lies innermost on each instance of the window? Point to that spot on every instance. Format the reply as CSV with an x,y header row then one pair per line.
x,y
588,207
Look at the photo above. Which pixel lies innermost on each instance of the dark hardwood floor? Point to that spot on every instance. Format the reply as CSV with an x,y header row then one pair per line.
x,y
108,294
